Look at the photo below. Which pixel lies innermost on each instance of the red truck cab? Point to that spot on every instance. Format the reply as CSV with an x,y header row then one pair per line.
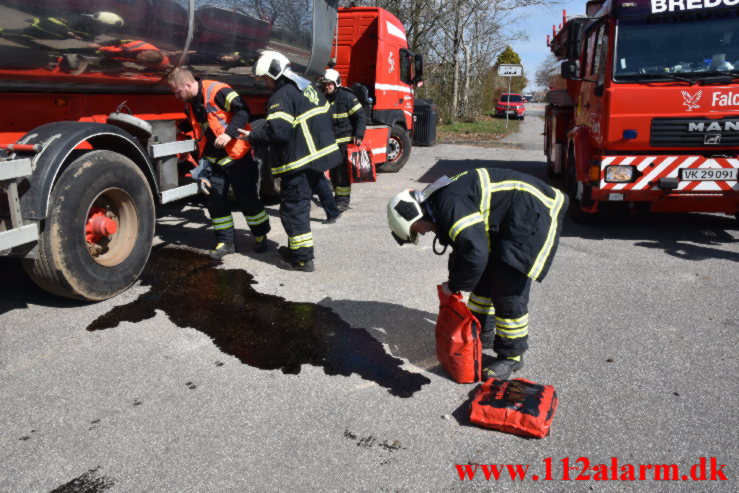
x,y
511,104
372,56
646,110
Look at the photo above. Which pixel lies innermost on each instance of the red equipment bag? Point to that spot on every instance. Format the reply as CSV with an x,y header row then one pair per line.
x,y
514,406
458,345
361,167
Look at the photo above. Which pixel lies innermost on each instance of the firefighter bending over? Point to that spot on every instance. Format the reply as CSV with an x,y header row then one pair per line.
x,y
503,227
298,128
215,114
349,125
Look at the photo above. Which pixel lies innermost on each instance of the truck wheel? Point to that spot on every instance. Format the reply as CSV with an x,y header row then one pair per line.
x,y
398,150
98,233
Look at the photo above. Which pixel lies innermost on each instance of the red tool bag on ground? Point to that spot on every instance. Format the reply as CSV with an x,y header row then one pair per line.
x,y
458,345
361,167
514,406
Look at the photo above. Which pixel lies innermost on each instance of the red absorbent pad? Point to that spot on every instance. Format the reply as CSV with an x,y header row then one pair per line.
x,y
361,167
458,345
514,406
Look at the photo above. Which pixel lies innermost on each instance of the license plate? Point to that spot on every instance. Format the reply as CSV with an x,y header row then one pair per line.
x,y
709,174
511,112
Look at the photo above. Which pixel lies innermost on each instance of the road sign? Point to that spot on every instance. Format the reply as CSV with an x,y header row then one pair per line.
x,y
510,70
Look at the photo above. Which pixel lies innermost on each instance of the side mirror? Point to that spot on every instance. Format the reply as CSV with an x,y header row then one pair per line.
x,y
569,69
418,67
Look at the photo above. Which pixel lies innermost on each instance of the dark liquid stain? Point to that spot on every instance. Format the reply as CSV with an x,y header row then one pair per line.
x,y
90,482
261,330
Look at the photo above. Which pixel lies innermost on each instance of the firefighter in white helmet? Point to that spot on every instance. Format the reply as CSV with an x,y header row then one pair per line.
x,y
298,130
83,27
349,125
503,227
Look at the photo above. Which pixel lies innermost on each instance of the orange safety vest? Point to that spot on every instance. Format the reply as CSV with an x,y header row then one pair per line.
x,y
218,120
132,46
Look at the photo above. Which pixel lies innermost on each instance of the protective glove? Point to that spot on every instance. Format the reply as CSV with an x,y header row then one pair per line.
x,y
203,170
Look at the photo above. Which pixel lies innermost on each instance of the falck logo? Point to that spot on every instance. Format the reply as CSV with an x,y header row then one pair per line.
x,y
691,100
391,61
712,139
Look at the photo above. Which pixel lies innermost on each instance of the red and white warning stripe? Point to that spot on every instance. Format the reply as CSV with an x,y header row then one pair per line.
x,y
652,168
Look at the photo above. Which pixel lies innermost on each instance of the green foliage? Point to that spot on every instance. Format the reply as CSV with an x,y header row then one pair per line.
x,y
495,126
508,56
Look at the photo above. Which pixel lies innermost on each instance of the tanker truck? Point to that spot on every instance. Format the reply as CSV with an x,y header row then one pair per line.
x,y
88,136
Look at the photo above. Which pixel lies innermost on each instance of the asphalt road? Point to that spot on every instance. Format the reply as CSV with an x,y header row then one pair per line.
x,y
246,377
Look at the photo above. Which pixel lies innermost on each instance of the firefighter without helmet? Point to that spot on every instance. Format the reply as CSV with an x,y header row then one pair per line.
x,y
402,211
272,64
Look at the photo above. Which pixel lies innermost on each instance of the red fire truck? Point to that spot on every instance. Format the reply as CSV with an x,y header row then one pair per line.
x,y
646,111
88,143
387,80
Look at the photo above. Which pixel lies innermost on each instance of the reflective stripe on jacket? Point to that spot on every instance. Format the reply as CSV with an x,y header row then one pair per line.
x,y
298,128
514,216
218,120
349,119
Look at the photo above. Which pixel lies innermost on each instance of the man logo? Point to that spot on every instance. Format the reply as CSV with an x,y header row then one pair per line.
x,y
691,101
712,139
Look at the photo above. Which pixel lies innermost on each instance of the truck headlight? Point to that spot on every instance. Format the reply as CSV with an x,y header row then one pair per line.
x,y
620,174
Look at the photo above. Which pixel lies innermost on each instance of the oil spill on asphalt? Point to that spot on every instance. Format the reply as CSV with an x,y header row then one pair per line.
x,y
90,482
261,330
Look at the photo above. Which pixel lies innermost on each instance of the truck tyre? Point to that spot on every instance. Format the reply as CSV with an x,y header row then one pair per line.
x,y
97,236
398,150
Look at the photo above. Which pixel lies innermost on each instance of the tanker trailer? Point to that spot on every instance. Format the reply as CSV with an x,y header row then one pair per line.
x,y
88,138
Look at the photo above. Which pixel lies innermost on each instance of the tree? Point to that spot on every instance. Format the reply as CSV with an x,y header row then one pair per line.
x,y
549,67
459,40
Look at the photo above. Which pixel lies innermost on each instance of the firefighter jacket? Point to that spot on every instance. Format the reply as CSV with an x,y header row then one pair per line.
x,y
348,115
215,110
298,128
512,215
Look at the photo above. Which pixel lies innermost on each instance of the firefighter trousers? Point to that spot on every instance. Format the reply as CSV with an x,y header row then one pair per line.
x,y
296,191
322,188
340,178
500,302
243,176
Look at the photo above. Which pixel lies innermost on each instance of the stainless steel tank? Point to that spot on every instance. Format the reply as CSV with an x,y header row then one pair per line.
x,y
131,45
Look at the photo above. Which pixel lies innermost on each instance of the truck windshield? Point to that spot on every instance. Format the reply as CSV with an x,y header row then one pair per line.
x,y
690,44
510,98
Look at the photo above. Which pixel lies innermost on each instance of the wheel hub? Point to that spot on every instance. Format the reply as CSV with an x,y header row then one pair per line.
x,y
100,224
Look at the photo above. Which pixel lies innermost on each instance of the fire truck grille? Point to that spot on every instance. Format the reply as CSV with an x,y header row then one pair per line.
x,y
694,132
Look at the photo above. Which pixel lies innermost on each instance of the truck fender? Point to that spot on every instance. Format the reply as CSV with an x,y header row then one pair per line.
x,y
580,145
390,117
59,140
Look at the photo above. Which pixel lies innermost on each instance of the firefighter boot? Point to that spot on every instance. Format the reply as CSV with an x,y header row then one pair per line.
x,y
221,250
287,262
502,367
260,244
306,266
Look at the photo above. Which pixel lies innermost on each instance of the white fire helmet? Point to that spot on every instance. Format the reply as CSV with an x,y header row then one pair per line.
x,y
332,75
272,64
108,18
402,211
